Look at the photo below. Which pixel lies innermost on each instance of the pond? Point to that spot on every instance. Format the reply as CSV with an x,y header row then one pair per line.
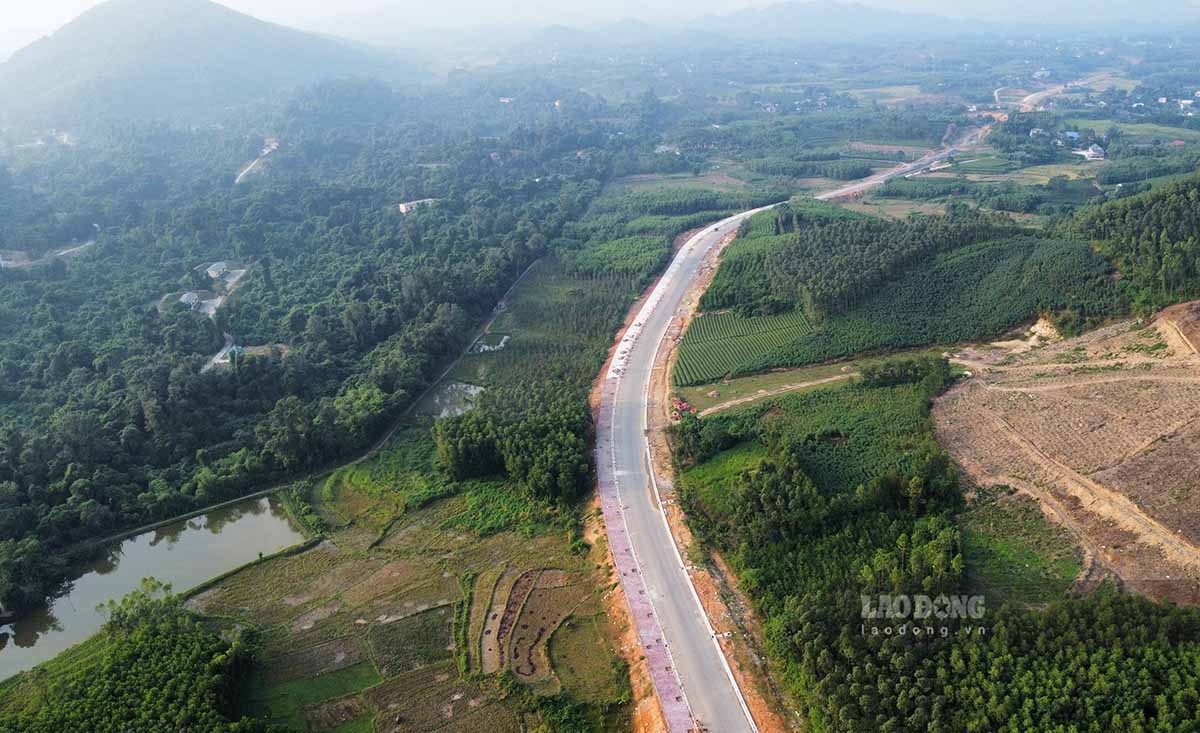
x,y
447,399
184,554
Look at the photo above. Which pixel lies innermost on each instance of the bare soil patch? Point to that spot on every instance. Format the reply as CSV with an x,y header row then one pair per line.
x,y
331,714
1103,431
1182,322
311,618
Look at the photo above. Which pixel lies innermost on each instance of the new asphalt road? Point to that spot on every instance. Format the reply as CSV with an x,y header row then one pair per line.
x,y
690,673
654,573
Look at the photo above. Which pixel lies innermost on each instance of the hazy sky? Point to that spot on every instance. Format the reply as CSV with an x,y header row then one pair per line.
x,y
23,21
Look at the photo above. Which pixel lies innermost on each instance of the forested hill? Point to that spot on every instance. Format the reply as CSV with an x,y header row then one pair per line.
x,y
183,59
109,415
1154,240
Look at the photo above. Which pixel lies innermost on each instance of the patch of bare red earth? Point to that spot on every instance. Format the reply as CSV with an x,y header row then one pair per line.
x,y
1104,436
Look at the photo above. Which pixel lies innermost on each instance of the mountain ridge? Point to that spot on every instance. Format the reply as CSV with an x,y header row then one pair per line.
x,y
180,59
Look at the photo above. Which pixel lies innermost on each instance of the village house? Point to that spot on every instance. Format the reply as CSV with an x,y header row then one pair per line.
x,y
410,206
1092,152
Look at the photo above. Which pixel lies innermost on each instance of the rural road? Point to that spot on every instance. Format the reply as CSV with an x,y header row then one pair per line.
x,y
691,676
969,140
690,673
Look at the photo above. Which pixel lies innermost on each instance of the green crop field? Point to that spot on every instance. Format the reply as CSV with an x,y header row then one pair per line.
x,y
716,344
984,164
1138,131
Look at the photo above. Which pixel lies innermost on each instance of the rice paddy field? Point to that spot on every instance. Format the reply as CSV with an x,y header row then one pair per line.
x,y
426,606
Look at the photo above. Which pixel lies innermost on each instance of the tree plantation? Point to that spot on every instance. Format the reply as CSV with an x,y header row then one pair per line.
x,y
851,497
155,667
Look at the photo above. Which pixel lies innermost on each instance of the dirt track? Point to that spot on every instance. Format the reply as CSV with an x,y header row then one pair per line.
x,y
763,394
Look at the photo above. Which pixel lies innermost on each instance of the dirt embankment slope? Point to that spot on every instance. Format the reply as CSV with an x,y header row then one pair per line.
x,y
1102,431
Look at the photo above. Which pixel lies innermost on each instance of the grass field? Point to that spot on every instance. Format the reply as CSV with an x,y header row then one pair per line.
x,y
1040,174
986,163
884,95
1137,131
894,208
710,483
760,386
577,653
284,703
1013,552
722,179
702,397
717,343
1108,81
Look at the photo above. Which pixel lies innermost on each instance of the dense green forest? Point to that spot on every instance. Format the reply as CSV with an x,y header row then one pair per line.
x,y
109,415
869,285
970,293
742,282
828,268
156,667
1154,240
844,492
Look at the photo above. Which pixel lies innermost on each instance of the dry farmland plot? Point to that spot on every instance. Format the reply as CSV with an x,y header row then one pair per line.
x,y
359,632
413,642
484,590
394,692
717,343
1103,431
328,656
548,605
332,714
495,648
490,653
576,651
436,708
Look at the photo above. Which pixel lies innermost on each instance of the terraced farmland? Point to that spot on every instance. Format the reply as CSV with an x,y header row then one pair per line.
x,y
717,343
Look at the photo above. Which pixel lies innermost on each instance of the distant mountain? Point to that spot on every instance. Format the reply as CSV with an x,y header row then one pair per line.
x,y
830,21
181,59
1113,16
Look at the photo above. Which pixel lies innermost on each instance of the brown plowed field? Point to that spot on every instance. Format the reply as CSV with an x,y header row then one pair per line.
x,y
1103,431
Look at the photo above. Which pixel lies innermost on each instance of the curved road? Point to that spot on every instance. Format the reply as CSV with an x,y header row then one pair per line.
x,y
691,676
